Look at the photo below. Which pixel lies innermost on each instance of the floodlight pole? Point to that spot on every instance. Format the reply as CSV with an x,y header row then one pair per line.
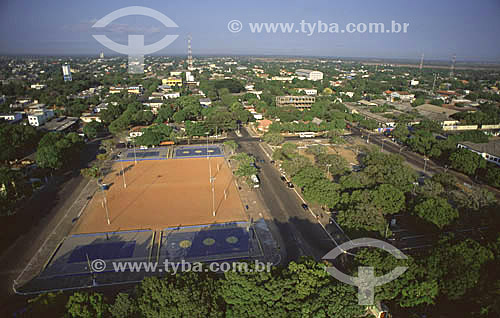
x,y
425,163
213,199
123,175
135,155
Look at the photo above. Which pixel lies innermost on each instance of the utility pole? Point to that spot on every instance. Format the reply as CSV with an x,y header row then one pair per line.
x,y
425,162
401,149
123,175
382,149
135,155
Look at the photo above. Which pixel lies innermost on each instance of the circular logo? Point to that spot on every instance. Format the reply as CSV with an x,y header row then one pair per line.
x,y
234,26
209,241
98,265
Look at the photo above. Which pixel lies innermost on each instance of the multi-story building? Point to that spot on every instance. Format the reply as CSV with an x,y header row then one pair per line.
x,y
295,101
172,81
310,74
67,73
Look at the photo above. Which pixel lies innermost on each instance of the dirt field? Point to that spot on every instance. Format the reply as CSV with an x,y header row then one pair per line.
x,y
163,193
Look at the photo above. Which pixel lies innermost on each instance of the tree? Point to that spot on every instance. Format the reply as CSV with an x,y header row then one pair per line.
x,y
389,168
13,188
413,288
457,266
123,306
56,150
186,295
86,305
335,164
92,172
493,175
366,209
466,161
92,129
437,211
274,139
369,124
231,144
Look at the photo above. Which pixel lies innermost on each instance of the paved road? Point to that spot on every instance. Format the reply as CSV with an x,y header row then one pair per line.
x,y
298,228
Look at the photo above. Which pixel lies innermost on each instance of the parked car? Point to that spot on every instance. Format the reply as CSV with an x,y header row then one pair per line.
x,y
290,185
283,178
305,206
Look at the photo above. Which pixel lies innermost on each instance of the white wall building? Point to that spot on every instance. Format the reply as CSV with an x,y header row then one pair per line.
x,y
11,117
310,74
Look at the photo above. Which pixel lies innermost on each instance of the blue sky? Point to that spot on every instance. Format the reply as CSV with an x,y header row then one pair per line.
x,y
439,28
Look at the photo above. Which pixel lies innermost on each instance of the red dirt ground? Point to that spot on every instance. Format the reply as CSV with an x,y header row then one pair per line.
x,y
163,193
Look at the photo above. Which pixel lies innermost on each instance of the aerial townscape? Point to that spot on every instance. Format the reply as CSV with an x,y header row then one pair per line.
x,y
237,184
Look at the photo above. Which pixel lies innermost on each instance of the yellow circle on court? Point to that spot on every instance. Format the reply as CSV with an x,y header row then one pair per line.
x,y
197,151
185,244
209,241
232,239
211,150
185,151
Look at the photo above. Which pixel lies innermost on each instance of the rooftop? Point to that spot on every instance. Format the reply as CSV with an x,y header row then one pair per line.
x,y
492,147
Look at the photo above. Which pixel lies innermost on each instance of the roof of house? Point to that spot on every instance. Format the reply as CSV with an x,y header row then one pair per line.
x,y
492,147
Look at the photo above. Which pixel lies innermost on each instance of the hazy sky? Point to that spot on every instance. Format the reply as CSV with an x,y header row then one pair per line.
x,y
439,28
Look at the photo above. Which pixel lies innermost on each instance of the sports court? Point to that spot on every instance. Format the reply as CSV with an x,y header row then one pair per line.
x,y
207,242
197,151
163,193
77,251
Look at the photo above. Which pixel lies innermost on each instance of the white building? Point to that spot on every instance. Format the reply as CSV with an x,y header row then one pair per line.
x,y
40,117
310,74
489,151
189,77
11,117
308,91
172,95
38,86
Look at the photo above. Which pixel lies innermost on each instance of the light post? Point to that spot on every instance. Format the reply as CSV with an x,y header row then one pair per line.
x,y
401,149
382,149
105,201
135,155
123,175
328,168
425,162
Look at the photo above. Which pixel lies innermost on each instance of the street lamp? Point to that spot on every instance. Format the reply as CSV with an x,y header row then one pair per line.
x,y
123,175
105,201
135,155
425,162
382,149
328,168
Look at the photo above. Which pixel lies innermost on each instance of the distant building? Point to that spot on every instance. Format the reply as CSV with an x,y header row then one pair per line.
x,y
308,91
172,95
310,74
11,118
172,81
67,73
116,90
489,151
135,89
90,118
264,125
101,56
189,77
205,102
402,96
38,86
295,101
